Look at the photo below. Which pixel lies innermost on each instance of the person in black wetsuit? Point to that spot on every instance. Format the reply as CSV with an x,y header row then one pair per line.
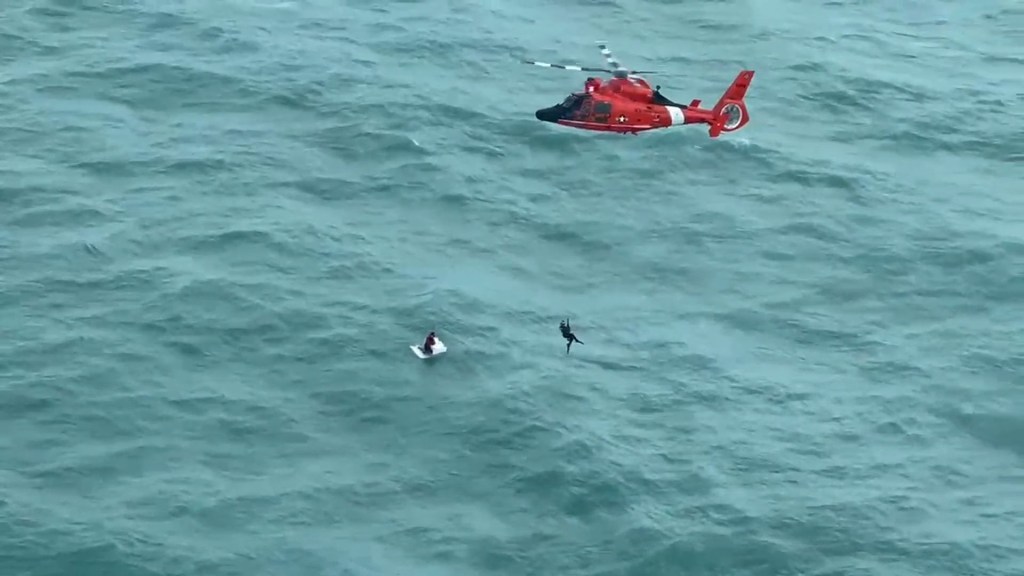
x,y
568,335
428,344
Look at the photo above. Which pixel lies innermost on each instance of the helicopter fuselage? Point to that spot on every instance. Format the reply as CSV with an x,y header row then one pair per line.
x,y
618,105
629,106
626,103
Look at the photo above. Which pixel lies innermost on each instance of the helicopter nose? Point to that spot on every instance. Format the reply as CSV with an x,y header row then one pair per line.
x,y
552,114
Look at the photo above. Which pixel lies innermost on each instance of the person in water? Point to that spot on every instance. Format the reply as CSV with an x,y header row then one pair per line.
x,y
428,344
568,335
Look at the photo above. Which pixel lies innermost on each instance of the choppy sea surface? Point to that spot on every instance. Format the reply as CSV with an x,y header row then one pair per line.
x,y
224,222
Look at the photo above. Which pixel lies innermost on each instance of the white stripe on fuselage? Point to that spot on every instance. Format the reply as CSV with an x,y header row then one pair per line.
x,y
676,115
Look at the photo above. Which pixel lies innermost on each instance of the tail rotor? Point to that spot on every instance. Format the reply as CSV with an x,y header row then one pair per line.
x,y
730,113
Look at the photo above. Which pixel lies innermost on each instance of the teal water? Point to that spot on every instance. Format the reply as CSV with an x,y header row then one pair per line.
x,y
222,224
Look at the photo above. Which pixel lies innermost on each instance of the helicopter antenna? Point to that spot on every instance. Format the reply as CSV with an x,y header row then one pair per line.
x,y
616,68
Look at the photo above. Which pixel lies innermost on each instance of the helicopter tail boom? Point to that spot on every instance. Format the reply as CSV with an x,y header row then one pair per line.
x,y
730,112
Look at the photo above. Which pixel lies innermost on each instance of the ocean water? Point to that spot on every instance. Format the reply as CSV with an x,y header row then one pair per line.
x,y
223,222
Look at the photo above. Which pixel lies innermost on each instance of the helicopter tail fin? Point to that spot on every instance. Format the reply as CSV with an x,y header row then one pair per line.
x,y
730,113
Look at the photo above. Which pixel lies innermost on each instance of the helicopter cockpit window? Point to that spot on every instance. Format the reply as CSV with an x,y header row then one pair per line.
x,y
573,102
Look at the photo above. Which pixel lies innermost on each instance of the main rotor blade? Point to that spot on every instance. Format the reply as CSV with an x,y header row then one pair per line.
x,y
567,67
617,67
615,64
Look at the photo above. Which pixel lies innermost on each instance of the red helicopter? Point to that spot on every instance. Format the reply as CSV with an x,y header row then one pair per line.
x,y
626,104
